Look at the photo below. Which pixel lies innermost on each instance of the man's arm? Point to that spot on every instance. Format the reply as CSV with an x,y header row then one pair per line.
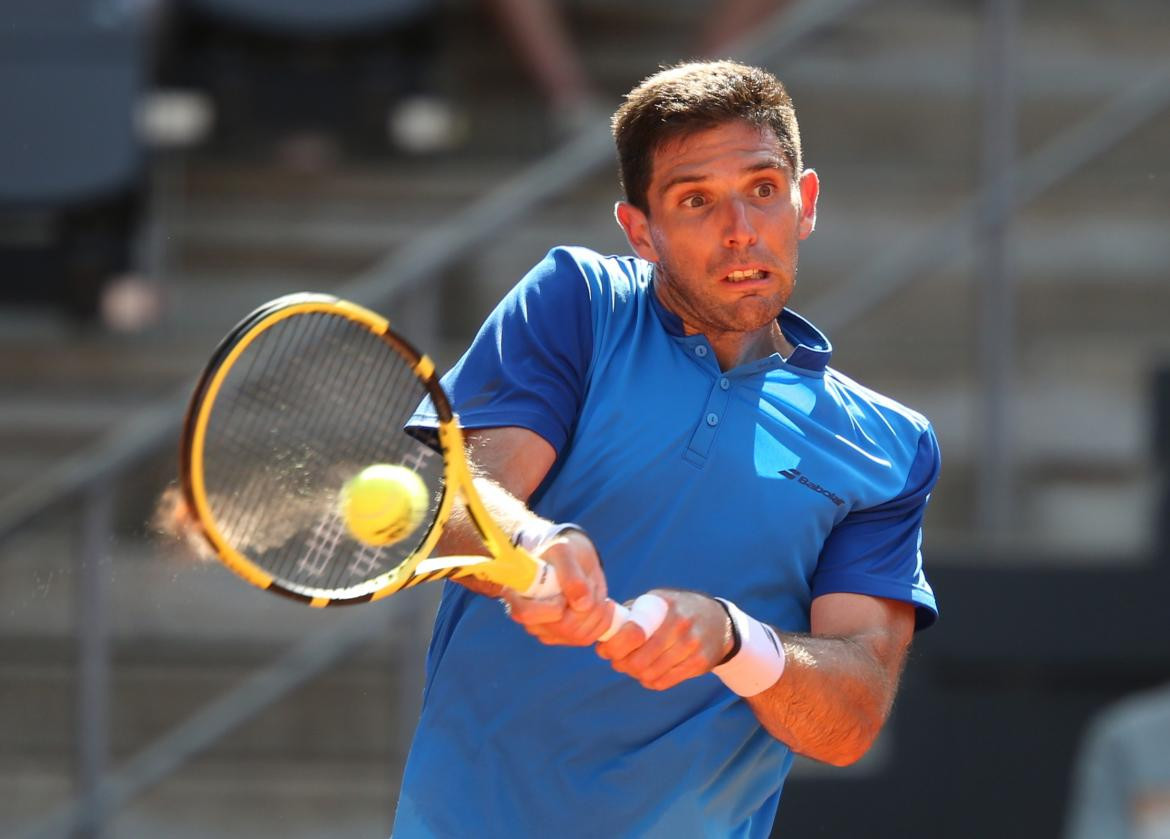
x,y
509,464
839,681
838,684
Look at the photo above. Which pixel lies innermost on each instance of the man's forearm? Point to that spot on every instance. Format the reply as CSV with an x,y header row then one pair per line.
x,y
832,699
829,694
508,463
460,536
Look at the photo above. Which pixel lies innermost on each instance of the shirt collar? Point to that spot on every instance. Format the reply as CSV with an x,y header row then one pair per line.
x,y
812,348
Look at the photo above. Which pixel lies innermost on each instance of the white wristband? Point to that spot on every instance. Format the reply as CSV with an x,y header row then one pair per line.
x,y
759,662
536,535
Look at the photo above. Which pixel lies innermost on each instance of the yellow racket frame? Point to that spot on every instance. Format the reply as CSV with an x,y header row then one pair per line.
x,y
507,564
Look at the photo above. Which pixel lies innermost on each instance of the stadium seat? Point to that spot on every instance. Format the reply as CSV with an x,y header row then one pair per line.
x,y
70,76
314,17
71,73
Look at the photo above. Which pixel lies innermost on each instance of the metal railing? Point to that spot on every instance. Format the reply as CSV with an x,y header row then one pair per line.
x,y
90,475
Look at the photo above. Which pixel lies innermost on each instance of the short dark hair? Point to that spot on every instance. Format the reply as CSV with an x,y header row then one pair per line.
x,y
694,96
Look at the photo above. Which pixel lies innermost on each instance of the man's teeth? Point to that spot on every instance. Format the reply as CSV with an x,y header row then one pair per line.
x,y
736,276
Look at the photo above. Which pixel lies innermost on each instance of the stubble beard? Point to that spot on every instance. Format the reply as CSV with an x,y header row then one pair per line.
x,y
706,313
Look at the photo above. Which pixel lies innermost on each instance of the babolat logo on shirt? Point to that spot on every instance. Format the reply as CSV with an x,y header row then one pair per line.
x,y
794,475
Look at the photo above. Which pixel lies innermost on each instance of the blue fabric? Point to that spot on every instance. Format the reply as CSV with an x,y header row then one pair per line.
x,y
768,484
529,364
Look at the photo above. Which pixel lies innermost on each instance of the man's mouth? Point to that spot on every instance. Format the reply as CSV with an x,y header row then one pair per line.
x,y
743,276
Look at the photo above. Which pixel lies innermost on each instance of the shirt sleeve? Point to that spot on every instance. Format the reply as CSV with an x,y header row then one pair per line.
x,y
528,365
878,550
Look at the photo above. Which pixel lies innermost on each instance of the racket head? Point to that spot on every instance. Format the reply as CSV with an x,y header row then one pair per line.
x,y
299,397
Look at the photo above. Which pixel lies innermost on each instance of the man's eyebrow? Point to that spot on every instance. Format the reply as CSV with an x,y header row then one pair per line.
x,y
681,179
777,162
770,163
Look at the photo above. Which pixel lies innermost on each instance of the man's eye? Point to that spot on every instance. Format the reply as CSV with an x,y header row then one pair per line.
x,y
694,201
765,190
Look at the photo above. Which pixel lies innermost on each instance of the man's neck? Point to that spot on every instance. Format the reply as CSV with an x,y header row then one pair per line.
x,y
734,349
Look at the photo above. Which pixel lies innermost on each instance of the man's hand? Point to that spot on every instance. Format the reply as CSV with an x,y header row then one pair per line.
x,y
582,612
694,637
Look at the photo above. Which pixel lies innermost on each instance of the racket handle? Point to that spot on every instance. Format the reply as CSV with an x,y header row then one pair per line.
x,y
648,611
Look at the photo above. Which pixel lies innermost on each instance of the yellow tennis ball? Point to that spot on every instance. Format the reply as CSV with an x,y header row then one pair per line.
x,y
383,504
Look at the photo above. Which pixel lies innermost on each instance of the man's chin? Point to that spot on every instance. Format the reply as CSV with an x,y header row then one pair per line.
x,y
752,313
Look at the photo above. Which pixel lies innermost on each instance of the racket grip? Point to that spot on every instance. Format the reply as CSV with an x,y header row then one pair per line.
x,y
648,611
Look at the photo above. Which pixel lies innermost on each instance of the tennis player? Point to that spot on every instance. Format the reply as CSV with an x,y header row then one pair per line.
x,y
666,413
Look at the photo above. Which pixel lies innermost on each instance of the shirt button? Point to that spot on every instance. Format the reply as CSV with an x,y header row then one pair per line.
x,y
701,351
712,419
724,384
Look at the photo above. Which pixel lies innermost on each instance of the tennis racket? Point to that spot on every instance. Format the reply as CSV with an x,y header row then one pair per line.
x,y
303,394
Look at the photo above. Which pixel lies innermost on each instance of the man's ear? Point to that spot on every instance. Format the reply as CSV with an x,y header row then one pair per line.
x,y
636,226
810,190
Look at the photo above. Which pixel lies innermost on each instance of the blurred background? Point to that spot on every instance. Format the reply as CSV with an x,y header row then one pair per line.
x,y
993,249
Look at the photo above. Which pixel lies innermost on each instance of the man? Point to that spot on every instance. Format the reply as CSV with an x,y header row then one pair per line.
x,y
686,424
1121,782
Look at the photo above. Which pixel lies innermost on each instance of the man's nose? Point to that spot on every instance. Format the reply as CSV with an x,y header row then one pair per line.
x,y
740,232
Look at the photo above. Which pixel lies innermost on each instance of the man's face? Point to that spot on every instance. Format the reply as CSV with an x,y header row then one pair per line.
x,y
723,225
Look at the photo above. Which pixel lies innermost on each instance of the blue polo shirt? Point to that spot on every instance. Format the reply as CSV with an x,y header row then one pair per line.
x,y
769,484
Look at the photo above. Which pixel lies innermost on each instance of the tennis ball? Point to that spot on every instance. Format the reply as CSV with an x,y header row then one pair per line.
x,y
383,504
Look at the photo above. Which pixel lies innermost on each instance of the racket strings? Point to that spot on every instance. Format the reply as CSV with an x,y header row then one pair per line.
x,y
310,402
251,407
